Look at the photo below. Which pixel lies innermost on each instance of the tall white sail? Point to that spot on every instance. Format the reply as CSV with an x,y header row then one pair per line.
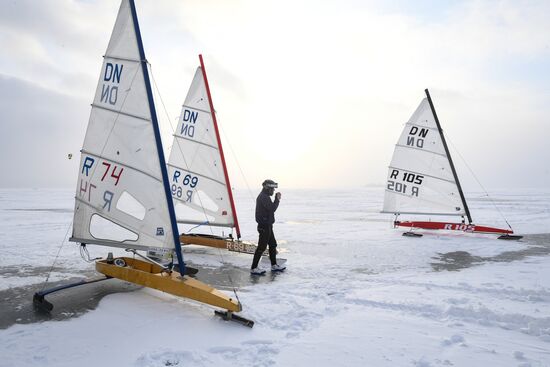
x,y
420,178
120,194
195,168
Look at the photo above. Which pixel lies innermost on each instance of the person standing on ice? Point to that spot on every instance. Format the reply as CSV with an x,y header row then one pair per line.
x,y
265,217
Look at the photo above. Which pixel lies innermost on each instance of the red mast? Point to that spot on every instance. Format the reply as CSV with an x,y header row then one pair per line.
x,y
221,149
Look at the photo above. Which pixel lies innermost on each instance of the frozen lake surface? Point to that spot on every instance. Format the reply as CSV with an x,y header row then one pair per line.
x,y
355,293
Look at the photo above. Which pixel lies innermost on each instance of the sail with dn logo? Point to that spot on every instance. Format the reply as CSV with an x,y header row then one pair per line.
x,y
422,178
198,175
197,172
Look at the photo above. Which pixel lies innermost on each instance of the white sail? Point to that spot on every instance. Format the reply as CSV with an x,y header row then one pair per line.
x,y
120,197
420,178
195,170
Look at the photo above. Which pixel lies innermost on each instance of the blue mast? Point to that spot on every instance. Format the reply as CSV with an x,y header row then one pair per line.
x,y
160,151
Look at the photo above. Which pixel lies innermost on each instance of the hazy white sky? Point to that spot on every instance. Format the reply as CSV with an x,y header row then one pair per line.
x,y
309,93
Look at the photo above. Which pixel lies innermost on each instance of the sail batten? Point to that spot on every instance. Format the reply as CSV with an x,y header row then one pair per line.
x,y
116,244
423,126
422,213
122,58
420,149
198,142
195,108
120,112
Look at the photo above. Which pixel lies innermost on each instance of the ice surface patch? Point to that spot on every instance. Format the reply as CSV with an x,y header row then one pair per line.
x,y
453,340
422,362
253,353
357,293
458,301
165,358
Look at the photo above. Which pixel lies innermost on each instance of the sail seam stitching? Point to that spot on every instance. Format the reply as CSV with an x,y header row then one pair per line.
x,y
424,126
121,58
194,141
422,150
196,109
120,112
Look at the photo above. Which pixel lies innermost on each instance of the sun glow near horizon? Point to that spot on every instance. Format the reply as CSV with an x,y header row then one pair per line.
x,y
314,93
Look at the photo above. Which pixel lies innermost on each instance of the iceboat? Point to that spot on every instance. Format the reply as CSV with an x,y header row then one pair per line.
x,y
198,176
123,194
422,179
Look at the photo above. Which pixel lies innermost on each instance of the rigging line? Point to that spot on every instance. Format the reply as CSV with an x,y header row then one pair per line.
x,y
479,183
85,254
238,164
176,141
197,226
56,256
229,276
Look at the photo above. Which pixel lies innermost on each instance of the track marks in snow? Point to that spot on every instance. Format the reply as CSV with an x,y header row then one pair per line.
x,y
425,362
509,293
260,353
481,315
165,358
300,307
294,315
455,339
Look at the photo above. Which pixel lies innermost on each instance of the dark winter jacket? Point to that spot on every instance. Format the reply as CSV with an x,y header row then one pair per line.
x,y
265,208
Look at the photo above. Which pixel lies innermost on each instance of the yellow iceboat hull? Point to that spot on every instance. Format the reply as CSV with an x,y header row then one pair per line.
x,y
153,276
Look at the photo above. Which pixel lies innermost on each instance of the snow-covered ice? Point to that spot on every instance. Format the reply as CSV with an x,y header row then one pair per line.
x,y
356,293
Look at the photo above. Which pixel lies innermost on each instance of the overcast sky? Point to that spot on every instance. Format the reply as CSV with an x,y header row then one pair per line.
x,y
308,93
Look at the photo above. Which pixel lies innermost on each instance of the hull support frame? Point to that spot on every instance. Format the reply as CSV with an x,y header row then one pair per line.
x,y
154,276
463,227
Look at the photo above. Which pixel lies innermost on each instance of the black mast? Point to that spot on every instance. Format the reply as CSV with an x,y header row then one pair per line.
x,y
450,158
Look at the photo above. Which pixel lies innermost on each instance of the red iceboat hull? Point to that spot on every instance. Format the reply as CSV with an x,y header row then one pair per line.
x,y
473,228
